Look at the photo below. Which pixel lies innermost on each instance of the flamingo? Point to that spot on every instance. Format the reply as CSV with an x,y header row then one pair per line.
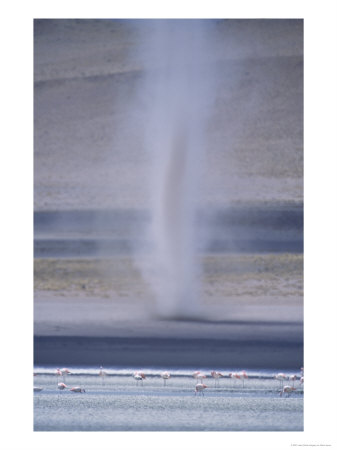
x,y
239,376
287,390
165,376
139,376
62,372
77,389
58,374
62,386
244,376
232,376
102,374
281,377
200,388
216,376
293,378
198,375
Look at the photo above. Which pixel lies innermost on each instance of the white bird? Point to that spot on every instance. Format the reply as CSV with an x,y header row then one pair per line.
x,y
216,376
287,390
77,389
61,386
165,376
200,388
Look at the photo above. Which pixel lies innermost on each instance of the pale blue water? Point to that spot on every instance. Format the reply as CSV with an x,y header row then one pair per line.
x,y
120,404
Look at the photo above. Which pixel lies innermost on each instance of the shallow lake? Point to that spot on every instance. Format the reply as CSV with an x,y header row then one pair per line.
x,y
118,402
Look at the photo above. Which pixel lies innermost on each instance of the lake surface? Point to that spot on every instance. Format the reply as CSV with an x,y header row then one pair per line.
x,y
119,403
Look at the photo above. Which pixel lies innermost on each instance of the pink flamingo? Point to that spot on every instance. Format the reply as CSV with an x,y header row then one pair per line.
x,y
239,376
216,376
244,377
62,372
200,388
58,374
287,390
165,376
281,377
139,376
232,375
292,378
61,386
198,375
77,389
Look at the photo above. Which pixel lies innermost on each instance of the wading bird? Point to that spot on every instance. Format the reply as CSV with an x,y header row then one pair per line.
x,y
139,376
198,375
216,376
165,376
200,388
77,389
62,372
58,374
102,374
281,377
239,376
287,390
292,378
61,386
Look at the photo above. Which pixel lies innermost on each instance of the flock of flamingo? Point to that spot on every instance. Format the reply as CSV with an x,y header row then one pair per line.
x,y
289,389
197,375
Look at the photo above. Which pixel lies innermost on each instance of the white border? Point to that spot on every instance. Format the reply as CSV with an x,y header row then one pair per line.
x,y
320,222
